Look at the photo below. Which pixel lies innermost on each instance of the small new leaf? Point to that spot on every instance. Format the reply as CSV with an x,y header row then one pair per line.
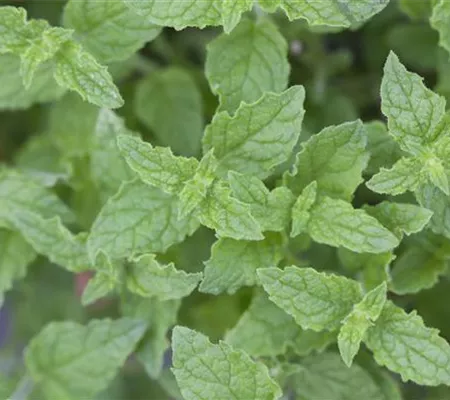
x,y
301,208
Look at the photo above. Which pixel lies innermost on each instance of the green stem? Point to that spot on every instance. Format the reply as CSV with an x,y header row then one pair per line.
x,y
23,389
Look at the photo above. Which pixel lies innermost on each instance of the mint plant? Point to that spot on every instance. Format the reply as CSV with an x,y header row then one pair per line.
x,y
224,199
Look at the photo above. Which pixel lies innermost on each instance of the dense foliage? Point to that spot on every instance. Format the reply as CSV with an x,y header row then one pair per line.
x,y
224,199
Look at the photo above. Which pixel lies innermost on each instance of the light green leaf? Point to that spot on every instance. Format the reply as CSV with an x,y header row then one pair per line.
x,y
231,12
435,172
337,223
330,12
301,208
14,95
233,263
146,277
228,216
316,300
412,110
271,209
157,166
169,103
109,30
51,238
335,158
260,135
108,168
417,9
439,21
206,371
245,64
400,218
403,176
77,70
138,219
159,316
355,325
15,256
71,361
98,287
325,376
402,343
309,341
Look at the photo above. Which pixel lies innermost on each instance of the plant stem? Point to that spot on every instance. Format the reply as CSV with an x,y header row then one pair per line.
x,y
23,389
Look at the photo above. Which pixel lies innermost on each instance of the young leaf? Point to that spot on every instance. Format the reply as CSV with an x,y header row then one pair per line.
x,y
233,263
98,287
68,360
439,21
207,371
109,30
148,278
412,110
138,219
402,343
159,316
260,135
301,208
51,238
334,158
337,223
15,256
270,208
169,103
355,325
245,64
157,166
400,218
316,300
77,70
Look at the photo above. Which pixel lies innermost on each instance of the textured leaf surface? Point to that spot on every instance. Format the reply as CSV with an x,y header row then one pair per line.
x,y
233,263
402,343
169,103
270,208
355,325
337,223
301,209
260,135
245,64
69,361
138,219
439,21
157,166
316,301
108,29
334,158
205,371
148,278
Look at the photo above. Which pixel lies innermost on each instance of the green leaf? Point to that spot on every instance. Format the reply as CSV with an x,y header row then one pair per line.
x,y
157,166
138,219
400,218
231,12
301,209
403,176
335,158
51,238
228,216
330,12
15,256
337,223
417,9
207,371
245,64
108,168
14,95
69,361
159,316
98,287
309,341
77,70
402,343
355,325
412,110
169,103
439,21
233,263
316,300
109,30
325,376
271,209
260,135
146,277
